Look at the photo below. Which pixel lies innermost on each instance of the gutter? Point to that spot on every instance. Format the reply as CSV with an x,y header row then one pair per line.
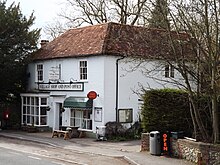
x,y
117,88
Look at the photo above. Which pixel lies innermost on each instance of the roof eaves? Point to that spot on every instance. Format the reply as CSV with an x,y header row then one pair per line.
x,y
106,38
70,56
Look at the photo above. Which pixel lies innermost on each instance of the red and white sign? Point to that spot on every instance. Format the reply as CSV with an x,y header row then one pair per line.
x,y
92,95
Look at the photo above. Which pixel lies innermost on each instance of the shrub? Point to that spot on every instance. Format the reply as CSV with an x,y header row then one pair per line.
x,y
117,132
114,130
166,110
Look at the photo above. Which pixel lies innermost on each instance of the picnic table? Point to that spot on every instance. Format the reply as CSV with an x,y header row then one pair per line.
x,y
66,132
60,133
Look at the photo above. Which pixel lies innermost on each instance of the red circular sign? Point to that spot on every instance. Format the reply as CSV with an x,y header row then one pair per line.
x,y
92,95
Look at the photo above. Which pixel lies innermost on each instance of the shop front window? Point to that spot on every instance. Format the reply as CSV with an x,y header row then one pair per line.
x,y
81,119
34,111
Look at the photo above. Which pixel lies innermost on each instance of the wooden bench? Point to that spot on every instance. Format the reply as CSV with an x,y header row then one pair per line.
x,y
82,133
59,133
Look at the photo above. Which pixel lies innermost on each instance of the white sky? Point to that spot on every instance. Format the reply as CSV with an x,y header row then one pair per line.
x,y
44,10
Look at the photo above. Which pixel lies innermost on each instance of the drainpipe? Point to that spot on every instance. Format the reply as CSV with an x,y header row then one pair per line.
x,y
117,89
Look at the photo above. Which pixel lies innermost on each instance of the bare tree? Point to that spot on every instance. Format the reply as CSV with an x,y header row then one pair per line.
x,y
91,12
55,29
191,45
101,11
200,21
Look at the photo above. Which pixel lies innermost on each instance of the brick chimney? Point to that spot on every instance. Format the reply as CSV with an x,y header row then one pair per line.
x,y
43,43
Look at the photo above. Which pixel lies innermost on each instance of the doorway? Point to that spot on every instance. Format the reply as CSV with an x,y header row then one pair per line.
x,y
60,105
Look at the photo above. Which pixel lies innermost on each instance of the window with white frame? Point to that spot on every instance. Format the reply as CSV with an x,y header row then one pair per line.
x,y
125,115
169,70
81,118
83,70
34,111
40,72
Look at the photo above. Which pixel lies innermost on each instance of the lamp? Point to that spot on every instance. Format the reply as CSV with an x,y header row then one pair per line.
x,y
48,108
62,109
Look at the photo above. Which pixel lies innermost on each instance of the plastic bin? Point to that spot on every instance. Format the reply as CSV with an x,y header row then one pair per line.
x,y
155,143
177,135
100,133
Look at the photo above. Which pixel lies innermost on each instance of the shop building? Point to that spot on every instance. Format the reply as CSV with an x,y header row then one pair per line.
x,y
86,78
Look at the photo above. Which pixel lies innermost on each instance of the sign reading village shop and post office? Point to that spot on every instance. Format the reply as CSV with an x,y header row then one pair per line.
x,y
55,85
61,87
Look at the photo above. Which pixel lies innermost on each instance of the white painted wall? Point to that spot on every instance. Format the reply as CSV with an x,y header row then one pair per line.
x,y
132,79
130,84
70,70
102,79
109,89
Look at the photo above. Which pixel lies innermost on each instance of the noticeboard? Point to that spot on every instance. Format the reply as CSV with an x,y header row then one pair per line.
x,y
98,114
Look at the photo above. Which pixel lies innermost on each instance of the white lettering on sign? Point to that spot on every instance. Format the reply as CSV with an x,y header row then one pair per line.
x,y
54,73
74,87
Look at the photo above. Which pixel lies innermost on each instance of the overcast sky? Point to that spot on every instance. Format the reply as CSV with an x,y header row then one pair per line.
x,y
44,10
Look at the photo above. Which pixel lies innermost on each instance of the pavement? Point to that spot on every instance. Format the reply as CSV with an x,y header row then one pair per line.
x,y
129,150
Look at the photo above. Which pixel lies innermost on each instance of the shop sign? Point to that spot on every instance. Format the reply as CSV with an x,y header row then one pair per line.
x,y
61,87
92,95
166,143
54,73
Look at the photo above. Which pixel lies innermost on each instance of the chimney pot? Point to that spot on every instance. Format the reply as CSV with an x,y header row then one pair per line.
x,y
43,43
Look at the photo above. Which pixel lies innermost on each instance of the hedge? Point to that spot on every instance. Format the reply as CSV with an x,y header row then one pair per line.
x,y
166,110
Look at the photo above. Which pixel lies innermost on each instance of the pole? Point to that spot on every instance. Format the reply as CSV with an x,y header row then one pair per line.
x,y
117,89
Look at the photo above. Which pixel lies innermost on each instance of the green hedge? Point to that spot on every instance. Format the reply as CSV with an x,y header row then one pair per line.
x,y
166,110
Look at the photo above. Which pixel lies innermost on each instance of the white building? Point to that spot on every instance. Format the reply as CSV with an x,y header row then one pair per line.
x,y
94,58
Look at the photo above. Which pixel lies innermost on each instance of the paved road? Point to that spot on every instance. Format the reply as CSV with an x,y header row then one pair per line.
x,y
59,155
86,150
12,157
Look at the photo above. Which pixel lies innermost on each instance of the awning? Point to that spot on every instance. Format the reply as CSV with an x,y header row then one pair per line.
x,y
78,103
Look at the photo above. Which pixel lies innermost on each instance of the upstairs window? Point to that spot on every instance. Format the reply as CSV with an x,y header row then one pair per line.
x,y
39,72
83,70
169,70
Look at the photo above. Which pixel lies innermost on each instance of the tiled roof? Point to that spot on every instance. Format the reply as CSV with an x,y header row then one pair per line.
x,y
106,39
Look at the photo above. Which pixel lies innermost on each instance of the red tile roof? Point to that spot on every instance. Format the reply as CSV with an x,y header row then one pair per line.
x,y
106,39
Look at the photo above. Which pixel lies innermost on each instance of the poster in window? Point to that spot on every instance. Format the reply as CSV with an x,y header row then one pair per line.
x,y
98,114
122,116
125,115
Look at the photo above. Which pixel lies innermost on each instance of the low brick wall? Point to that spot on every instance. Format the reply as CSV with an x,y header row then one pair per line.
x,y
197,152
185,149
145,142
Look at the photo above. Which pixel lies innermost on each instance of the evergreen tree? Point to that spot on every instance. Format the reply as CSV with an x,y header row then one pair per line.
x,y
159,15
16,42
